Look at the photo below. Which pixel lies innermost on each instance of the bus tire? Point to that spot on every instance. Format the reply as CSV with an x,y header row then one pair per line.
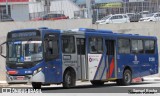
x,y
127,78
36,85
69,79
97,83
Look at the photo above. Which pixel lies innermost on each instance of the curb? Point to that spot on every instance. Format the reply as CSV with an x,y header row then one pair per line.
x,y
151,79
3,84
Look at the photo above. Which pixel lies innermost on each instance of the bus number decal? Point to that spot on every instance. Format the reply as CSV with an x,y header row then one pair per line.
x,y
151,59
135,60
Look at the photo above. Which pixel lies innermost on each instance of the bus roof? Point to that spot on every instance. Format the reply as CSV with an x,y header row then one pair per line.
x,y
90,32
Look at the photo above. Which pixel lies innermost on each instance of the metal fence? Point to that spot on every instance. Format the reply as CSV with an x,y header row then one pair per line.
x,y
100,10
76,11
66,7
148,6
43,13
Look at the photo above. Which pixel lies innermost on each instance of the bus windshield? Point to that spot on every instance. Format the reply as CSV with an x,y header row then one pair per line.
x,y
25,51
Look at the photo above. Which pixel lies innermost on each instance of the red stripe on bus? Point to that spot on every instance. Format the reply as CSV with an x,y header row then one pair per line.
x,y
111,69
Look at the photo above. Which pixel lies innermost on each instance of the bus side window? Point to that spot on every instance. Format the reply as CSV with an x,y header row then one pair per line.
x,y
92,43
137,46
81,46
149,46
51,48
96,45
68,44
124,46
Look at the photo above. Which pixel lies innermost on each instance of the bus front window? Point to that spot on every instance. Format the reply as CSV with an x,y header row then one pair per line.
x,y
14,51
25,51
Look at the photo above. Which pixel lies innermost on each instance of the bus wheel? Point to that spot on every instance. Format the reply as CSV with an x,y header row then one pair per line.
x,y
36,85
127,78
69,79
97,83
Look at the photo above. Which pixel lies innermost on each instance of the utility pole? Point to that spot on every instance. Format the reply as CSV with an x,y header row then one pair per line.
x,y
89,9
157,5
7,7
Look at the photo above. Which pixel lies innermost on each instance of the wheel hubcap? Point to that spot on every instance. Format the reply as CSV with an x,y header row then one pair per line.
x,y
127,77
69,79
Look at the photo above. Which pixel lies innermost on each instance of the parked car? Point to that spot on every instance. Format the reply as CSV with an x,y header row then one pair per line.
x,y
151,17
52,16
116,18
144,13
130,14
135,18
5,18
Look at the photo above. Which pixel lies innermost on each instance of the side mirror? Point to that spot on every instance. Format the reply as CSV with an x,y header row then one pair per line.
x,y
1,50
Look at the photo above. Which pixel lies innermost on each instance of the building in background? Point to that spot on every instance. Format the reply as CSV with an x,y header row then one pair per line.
x,y
17,9
24,10
66,7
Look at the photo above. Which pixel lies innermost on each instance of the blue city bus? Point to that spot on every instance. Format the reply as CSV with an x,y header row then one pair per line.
x,y
51,56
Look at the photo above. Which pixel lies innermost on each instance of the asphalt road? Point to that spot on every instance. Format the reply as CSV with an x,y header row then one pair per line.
x,y
106,88
87,87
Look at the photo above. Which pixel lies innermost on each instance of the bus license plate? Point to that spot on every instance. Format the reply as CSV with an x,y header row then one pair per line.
x,y
20,77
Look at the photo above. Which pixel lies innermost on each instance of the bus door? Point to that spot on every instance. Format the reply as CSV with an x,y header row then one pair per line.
x,y
110,58
52,58
81,59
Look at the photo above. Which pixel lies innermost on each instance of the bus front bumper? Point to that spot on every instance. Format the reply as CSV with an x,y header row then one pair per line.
x,y
18,79
39,77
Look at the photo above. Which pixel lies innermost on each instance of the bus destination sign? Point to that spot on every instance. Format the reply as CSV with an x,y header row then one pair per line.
x,y
23,34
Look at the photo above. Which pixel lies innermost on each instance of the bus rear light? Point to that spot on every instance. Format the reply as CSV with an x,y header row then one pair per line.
x,y
12,72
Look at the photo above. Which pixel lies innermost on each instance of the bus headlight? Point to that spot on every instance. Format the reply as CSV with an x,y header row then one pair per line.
x,y
39,69
36,71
